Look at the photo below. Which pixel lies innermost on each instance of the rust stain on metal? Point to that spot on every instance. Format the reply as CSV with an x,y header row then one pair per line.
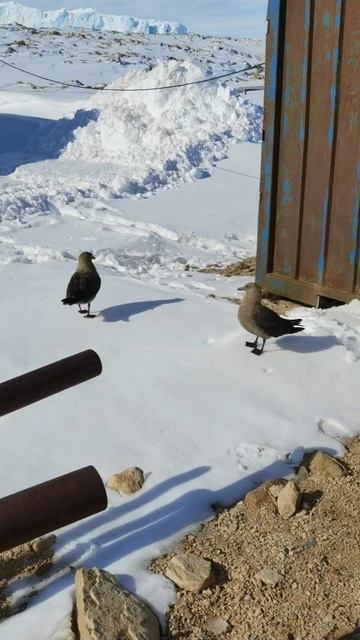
x,y
46,381
343,248
309,229
291,151
50,505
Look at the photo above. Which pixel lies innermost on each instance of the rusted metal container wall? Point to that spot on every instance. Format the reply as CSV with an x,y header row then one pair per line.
x,y
309,218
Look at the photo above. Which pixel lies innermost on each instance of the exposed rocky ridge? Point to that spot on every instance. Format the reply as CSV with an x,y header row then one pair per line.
x,y
293,578
282,564
97,58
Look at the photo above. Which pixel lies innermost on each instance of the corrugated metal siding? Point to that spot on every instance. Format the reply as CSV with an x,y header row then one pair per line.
x,y
309,218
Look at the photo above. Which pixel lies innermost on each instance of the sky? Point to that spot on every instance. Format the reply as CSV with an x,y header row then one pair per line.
x,y
237,18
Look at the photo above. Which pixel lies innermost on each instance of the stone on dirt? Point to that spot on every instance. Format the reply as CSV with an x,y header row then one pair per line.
x,y
190,573
216,625
105,611
262,494
288,500
269,576
323,464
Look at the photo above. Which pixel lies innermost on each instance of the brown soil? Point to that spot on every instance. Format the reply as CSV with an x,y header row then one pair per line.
x,y
31,558
244,267
317,552
280,305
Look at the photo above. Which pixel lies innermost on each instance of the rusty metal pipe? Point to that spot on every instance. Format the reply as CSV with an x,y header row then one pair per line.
x,y
50,505
41,383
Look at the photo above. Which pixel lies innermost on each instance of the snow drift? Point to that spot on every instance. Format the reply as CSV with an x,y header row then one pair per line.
x,y
138,143
156,138
14,12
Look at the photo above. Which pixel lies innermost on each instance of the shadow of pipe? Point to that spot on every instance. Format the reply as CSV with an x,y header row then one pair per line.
x,y
180,515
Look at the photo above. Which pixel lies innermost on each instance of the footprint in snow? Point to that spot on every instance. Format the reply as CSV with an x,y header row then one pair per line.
x,y
254,457
333,429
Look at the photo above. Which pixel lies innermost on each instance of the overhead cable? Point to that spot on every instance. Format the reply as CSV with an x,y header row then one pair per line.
x,y
170,86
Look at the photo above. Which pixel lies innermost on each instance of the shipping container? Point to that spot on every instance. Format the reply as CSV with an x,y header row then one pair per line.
x,y
309,218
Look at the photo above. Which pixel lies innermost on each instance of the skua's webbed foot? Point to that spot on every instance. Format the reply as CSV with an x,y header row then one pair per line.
x,y
253,345
257,351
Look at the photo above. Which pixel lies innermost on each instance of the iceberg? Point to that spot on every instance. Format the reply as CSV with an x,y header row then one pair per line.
x,y
14,12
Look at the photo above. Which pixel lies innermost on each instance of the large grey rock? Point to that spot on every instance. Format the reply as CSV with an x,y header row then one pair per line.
x,y
105,611
288,500
127,481
190,573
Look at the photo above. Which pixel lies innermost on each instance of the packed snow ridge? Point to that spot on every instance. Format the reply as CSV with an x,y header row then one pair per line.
x,y
133,144
157,138
14,12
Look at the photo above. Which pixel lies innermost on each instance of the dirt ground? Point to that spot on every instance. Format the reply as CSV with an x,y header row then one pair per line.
x,y
244,267
29,559
316,551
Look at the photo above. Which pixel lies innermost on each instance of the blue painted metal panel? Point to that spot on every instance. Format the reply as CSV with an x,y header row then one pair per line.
x,y
271,89
309,219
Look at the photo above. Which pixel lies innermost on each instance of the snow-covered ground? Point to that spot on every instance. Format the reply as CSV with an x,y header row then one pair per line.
x,y
180,395
84,57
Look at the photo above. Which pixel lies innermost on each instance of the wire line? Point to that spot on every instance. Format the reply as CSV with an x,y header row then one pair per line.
x,y
170,86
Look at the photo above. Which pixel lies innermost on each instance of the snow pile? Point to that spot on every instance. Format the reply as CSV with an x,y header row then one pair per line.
x,y
125,144
14,12
157,138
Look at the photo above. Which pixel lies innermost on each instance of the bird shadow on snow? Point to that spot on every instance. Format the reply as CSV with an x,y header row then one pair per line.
x,y
118,541
27,139
125,311
307,344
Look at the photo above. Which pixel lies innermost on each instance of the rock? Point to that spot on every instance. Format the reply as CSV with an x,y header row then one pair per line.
x,y
190,573
216,625
261,495
311,543
128,481
302,473
288,500
269,577
323,464
257,497
275,489
27,559
105,611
